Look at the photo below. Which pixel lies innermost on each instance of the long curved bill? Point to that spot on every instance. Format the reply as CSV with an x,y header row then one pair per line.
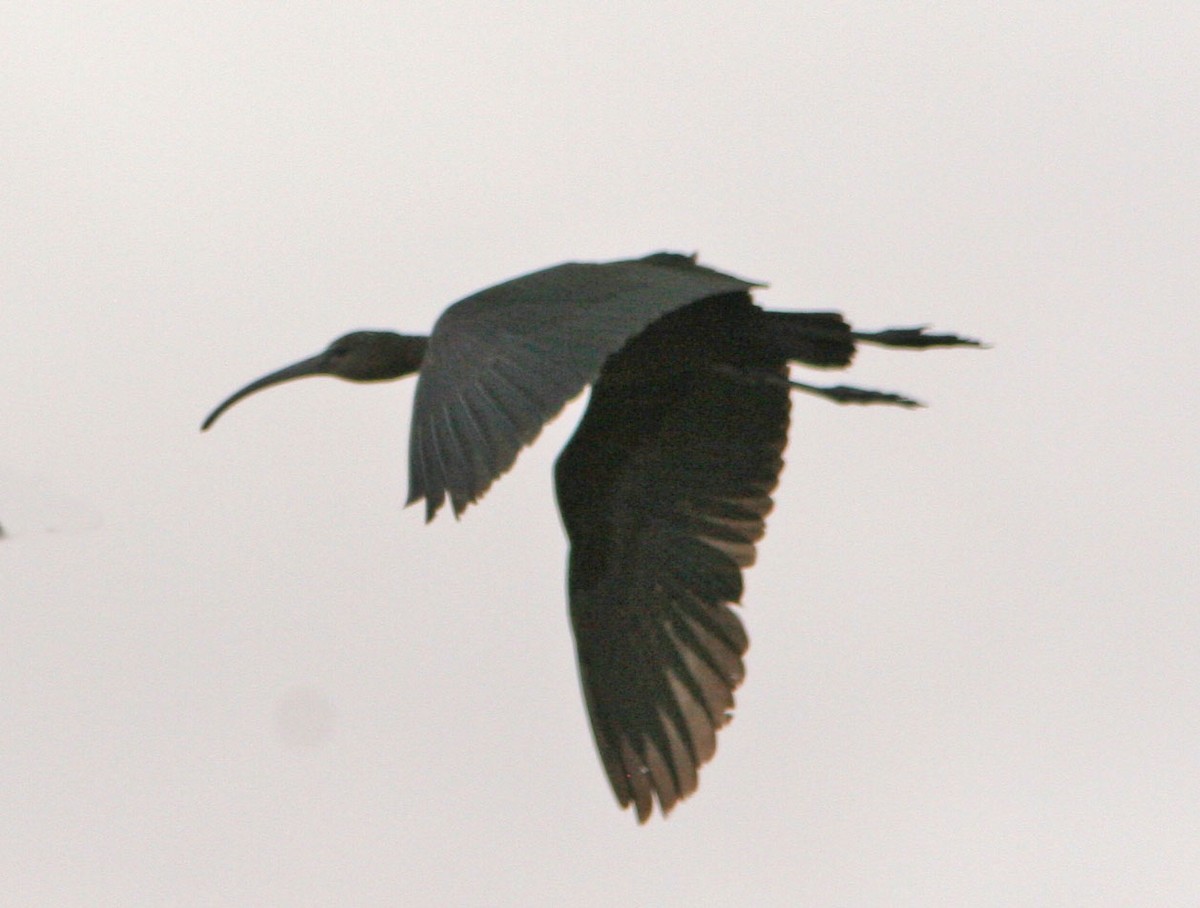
x,y
314,365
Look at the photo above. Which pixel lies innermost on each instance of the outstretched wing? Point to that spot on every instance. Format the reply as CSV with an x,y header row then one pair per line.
x,y
664,490
504,361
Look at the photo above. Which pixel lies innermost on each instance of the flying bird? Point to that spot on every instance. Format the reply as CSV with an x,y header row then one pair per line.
x,y
664,487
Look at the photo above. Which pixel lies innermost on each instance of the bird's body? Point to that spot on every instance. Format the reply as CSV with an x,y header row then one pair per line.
x,y
664,487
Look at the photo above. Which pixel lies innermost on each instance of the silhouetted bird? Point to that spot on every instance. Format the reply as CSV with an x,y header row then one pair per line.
x,y
664,487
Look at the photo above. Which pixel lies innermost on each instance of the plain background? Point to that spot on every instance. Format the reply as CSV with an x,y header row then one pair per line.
x,y
235,671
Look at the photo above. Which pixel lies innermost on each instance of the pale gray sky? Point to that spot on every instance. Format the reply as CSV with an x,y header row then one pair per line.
x,y
241,674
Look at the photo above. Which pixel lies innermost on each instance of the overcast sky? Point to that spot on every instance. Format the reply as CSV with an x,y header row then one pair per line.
x,y
236,671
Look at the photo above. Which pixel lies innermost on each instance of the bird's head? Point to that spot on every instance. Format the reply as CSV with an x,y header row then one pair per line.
x,y
369,356
359,356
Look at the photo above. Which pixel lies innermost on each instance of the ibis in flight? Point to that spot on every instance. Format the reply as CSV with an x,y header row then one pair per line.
x,y
664,487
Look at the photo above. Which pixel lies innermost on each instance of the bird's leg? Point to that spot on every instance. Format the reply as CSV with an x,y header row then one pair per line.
x,y
914,338
841,394
845,394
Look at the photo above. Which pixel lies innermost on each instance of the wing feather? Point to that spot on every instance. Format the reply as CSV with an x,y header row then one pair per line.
x,y
529,345
664,490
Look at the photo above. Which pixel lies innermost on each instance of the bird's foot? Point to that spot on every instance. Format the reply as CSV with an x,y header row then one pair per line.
x,y
845,394
914,338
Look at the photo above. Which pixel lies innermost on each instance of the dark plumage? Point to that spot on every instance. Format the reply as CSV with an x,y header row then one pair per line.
x,y
664,487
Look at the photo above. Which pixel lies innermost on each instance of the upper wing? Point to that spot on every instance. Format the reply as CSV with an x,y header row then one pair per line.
x,y
664,490
503,362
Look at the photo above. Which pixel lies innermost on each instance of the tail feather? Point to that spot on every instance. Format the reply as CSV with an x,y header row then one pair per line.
x,y
825,340
821,339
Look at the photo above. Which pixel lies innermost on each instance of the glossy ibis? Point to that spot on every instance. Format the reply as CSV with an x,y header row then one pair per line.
x,y
664,487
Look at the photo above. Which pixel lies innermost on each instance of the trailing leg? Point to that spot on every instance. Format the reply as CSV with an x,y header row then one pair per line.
x,y
914,338
841,394
846,394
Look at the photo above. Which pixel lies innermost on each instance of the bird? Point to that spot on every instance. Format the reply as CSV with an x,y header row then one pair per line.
x,y
664,487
